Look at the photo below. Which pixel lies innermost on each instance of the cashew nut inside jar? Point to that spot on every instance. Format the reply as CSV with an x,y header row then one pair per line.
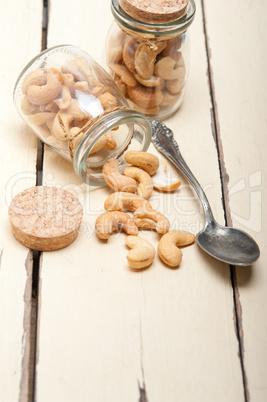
x,y
148,53
73,105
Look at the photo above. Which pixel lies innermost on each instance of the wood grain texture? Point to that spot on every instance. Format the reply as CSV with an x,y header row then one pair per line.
x,y
240,86
20,30
107,333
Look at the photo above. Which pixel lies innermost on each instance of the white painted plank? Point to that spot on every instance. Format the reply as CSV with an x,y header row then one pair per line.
x,y
114,331
241,87
20,32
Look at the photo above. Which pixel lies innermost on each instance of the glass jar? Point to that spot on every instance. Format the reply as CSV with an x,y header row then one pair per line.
x,y
74,107
150,61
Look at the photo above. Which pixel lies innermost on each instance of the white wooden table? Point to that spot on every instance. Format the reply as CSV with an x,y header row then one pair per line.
x,y
78,324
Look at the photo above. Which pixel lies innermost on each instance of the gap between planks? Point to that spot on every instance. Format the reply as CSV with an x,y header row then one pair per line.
x,y
226,206
36,254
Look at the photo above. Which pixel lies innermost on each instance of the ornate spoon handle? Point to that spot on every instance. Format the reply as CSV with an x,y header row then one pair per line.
x,y
162,138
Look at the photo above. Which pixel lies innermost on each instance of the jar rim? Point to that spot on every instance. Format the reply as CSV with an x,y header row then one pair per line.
x,y
100,128
177,27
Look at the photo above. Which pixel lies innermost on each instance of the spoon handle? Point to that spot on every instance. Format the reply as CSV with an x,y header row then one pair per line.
x,y
162,138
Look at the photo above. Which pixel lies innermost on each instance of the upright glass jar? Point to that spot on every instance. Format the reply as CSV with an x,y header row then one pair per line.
x,y
150,61
74,107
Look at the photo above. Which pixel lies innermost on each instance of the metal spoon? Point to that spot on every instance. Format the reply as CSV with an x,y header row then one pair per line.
x,y
227,244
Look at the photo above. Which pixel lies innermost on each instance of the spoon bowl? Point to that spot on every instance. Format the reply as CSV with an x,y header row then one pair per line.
x,y
226,244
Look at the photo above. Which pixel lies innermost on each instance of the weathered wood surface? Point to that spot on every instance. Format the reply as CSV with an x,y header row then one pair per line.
x,y
18,171
155,335
106,333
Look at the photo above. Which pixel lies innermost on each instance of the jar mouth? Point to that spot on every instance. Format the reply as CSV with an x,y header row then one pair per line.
x,y
174,27
132,132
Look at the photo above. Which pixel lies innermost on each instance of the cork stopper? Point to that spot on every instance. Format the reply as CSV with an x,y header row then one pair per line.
x,y
45,218
155,11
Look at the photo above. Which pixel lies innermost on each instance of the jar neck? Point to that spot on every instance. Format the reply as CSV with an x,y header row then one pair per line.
x,y
173,28
133,131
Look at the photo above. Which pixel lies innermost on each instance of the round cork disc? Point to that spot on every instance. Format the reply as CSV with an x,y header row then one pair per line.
x,y
45,218
154,11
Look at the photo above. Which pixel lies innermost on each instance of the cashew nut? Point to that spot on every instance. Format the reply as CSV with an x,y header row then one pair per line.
x,y
123,201
64,118
145,58
145,96
145,186
41,118
68,80
129,49
169,99
172,48
168,248
175,86
161,181
109,222
165,68
153,81
126,75
105,142
162,223
144,110
43,85
65,99
107,100
115,180
79,68
120,84
27,107
142,253
115,46
144,160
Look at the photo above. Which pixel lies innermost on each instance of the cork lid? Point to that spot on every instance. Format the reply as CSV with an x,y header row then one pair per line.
x,y
155,11
45,218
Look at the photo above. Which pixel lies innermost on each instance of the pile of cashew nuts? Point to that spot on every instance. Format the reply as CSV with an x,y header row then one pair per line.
x,y
132,188
150,74
65,101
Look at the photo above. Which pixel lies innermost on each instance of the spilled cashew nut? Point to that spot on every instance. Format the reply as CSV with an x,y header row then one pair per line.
x,y
142,253
168,248
162,224
145,186
115,180
144,160
109,222
162,182
123,201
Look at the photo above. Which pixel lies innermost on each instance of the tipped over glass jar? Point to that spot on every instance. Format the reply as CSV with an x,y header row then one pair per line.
x,y
148,53
73,106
